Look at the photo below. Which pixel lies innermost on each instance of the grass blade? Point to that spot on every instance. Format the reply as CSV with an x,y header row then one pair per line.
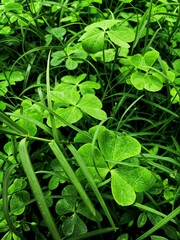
x,y
11,124
160,224
91,183
36,189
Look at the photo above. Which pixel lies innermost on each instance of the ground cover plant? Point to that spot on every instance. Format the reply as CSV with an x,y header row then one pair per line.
x,y
89,119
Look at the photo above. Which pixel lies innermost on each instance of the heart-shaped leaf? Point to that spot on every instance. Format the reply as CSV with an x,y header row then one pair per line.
x,y
149,82
70,114
73,226
71,64
93,41
92,106
118,148
86,153
122,192
139,178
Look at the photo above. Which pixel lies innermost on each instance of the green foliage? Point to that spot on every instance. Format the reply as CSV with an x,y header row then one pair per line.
x,y
94,39
89,119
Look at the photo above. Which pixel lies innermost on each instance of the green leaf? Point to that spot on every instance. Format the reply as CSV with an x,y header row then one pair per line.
x,y
57,58
73,79
83,210
149,82
107,56
93,41
70,194
53,182
15,7
65,96
121,36
123,237
139,178
141,62
92,106
70,114
7,236
86,153
71,64
118,148
176,65
33,111
17,200
18,184
175,96
57,32
150,57
63,207
142,219
122,192
2,105
74,226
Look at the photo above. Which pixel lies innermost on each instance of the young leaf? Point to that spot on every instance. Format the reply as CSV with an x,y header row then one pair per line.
x,y
122,192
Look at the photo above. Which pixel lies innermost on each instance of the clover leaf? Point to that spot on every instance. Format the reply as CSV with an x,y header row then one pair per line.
x,y
93,40
70,204
149,82
71,55
74,226
91,105
57,32
17,200
86,153
70,106
117,148
33,111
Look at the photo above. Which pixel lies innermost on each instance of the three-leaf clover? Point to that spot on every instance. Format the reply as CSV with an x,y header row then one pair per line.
x,y
71,55
113,150
93,40
70,204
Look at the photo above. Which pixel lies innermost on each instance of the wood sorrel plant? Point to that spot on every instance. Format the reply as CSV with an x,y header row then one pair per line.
x,y
89,94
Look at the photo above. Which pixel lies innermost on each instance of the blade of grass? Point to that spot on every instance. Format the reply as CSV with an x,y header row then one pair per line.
x,y
11,124
5,202
92,183
36,122
148,26
36,189
149,209
160,224
49,104
67,168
